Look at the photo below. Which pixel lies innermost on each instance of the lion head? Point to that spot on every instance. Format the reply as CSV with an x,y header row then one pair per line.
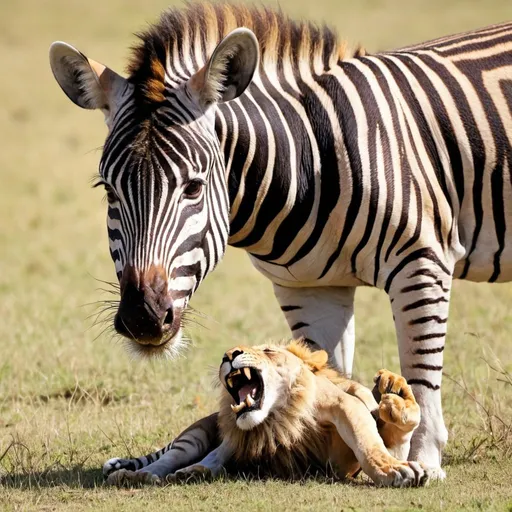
x,y
267,407
265,380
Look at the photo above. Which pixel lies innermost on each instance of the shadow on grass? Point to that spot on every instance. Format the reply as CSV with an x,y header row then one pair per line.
x,y
80,478
75,478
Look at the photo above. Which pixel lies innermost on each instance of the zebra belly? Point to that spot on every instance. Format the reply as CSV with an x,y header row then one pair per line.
x,y
490,258
482,269
300,275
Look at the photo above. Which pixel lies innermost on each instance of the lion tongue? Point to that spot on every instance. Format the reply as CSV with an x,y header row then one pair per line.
x,y
245,394
247,391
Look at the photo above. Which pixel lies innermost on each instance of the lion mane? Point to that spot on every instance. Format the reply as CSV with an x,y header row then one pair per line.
x,y
290,443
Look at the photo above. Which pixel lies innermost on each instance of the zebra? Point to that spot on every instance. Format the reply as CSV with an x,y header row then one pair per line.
x,y
333,168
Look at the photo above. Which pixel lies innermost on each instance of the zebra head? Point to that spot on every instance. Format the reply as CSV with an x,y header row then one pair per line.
x,y
164,175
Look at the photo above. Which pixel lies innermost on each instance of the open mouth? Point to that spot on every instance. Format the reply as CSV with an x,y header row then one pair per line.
x,y
245,385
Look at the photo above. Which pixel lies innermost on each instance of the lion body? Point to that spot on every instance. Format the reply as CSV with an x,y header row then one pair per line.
x,y
293,441
285,413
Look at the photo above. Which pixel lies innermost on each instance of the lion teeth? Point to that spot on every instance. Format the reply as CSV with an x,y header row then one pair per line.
x,y
247,372
229,380
249,401
237,408
235,372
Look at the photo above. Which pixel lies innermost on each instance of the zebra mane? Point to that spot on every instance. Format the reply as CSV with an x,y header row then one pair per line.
x,y
187,37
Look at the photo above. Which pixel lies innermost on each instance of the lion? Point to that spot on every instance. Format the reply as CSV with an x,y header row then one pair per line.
x,y
285,413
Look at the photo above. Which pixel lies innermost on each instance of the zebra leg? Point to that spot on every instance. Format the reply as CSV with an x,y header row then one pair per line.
x,y
323,316
420,295
191,445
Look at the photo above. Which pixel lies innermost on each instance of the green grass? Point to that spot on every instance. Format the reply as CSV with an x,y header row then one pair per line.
x,y
70,398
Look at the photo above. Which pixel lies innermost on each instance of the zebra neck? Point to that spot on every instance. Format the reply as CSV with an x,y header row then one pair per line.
x,y
269,138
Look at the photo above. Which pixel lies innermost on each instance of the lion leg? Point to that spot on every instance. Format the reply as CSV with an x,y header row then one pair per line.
x,y
399,413
358,429
191,445
211,467
364,394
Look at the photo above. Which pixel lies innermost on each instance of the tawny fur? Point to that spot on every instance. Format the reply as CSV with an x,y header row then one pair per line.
x,y
290,443
309,420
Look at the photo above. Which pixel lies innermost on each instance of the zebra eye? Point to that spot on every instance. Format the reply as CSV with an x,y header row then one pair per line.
x,y
193,189
111,195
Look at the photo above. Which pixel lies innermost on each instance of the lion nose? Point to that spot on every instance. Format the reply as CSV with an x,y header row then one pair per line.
x,y
232,354
145,311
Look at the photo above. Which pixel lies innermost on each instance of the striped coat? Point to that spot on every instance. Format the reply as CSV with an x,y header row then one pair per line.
x,y
332,168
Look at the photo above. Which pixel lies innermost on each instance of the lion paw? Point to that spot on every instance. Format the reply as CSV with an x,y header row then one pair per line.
x,y
401,413
191,474
127,478
115,464
397,403
407,474
389,382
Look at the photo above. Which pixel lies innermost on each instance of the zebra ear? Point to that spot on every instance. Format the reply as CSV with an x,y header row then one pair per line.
x,y
86,83
229,70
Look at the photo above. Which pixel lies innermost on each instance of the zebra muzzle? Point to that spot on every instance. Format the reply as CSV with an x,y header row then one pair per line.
x,y
146,313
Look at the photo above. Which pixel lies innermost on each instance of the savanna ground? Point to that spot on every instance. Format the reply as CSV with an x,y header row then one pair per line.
x,y
71,397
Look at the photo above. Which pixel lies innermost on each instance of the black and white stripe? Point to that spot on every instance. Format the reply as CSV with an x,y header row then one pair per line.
x,y
332,170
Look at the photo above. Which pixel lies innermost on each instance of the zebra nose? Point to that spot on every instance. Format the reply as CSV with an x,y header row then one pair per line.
x,y
169,317
138,317
145,312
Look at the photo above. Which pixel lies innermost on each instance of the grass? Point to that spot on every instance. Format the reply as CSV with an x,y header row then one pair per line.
x,y
70,398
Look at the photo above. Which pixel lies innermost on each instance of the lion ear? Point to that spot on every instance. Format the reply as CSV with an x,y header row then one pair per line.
x,y
317,360
314,360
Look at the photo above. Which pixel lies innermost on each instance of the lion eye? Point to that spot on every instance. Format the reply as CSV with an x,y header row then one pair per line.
x,y
193,189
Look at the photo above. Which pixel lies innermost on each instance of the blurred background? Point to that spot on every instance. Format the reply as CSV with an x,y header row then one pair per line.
x,y
70,394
